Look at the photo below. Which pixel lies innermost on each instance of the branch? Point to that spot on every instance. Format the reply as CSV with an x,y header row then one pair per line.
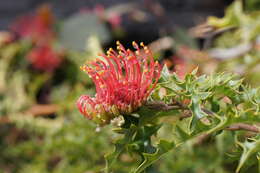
x,y
42,109
206,31
162,106
35,110
243,126
229,53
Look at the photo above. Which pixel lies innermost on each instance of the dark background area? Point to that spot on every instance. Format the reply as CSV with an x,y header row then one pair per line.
x,y
183,13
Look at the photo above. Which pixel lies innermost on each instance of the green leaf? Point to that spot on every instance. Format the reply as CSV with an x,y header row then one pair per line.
x,y
196,108
112,157
162,148
181,134
165,74
249,149
120,146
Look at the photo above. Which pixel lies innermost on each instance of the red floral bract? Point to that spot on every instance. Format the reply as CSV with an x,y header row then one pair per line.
x,y
123,79
44,58
36,27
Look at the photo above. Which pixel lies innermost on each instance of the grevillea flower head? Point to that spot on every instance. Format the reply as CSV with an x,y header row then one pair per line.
x,y
37,27
44,58
124,79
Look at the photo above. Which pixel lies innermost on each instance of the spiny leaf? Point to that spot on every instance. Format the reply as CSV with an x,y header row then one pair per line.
x,y
162,148
181,135
165,74
120,146
249,149
196,108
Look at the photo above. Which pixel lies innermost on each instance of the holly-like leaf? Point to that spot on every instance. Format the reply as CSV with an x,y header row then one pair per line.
x,y
162,148
120,146
196,108
249,149
181,134
165,74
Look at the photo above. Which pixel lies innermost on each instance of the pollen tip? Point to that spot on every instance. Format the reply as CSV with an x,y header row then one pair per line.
x,y
117,42
142,44
83,67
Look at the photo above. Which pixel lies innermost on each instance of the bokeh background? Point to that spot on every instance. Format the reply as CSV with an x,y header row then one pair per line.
x,y
44,43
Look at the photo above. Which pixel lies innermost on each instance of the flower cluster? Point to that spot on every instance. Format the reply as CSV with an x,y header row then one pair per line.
x,y
37,28
44,58
123,79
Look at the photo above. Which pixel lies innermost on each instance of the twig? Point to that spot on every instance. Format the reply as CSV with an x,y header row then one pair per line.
x,y
162,106
42,109
207,32
221,53
35,110
243,126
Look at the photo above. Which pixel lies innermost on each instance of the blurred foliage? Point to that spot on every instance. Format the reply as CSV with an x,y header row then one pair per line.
x,y
77,29
239,46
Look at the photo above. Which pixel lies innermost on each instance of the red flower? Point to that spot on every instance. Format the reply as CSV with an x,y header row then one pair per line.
x,y
5,38
36,27
123,81
44,58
